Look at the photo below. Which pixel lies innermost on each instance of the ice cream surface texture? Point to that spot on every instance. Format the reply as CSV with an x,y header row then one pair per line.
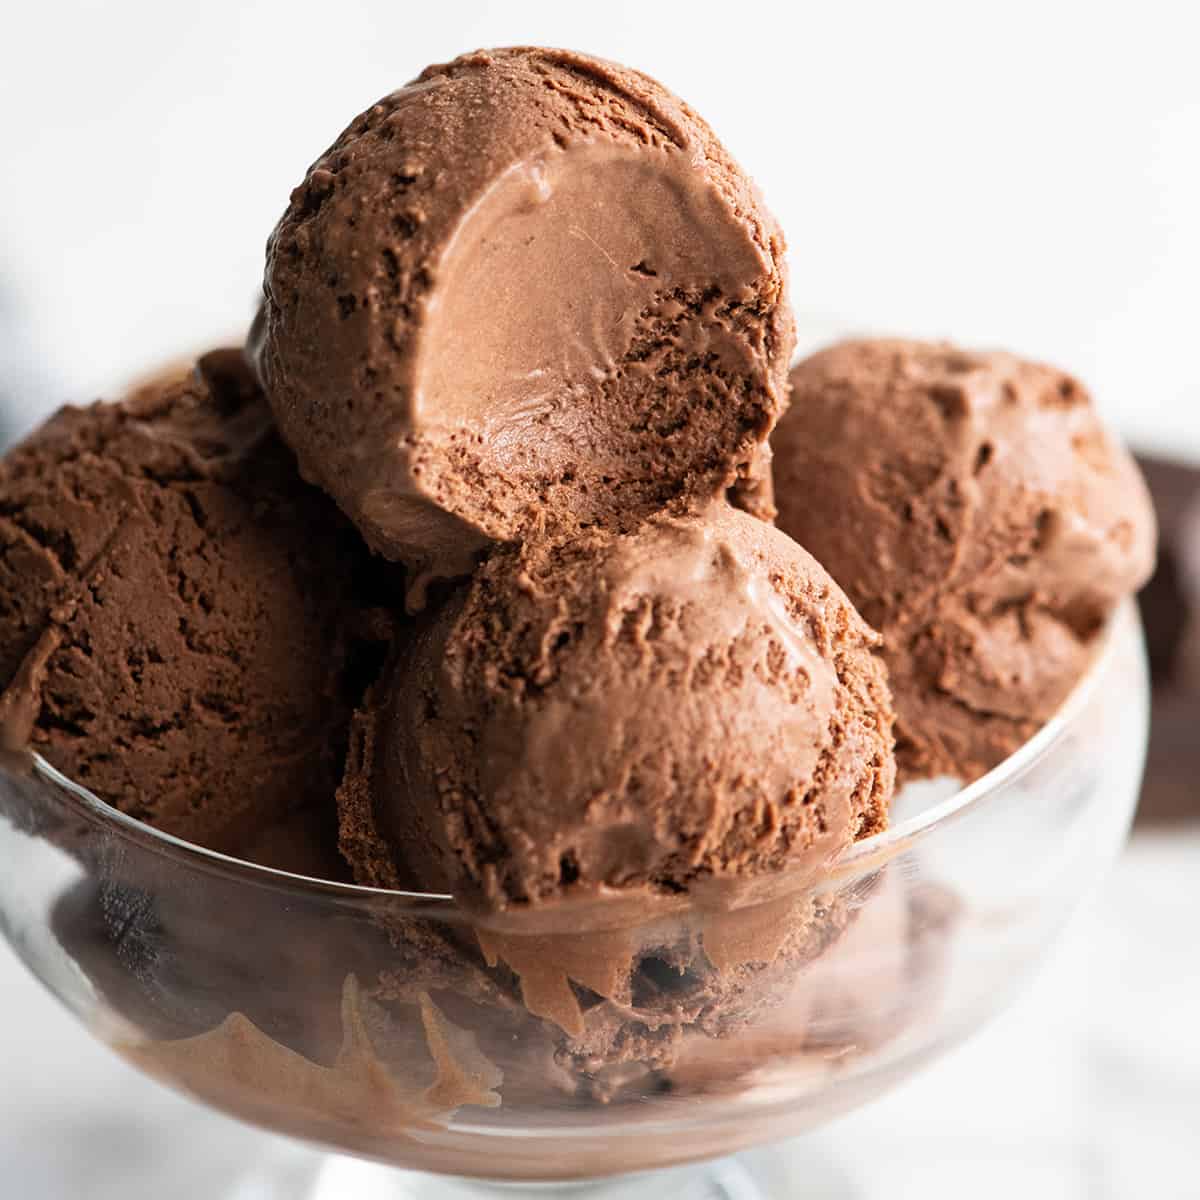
x,y
529,292
978,513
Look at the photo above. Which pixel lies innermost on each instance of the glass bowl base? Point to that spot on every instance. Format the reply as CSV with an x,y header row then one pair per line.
x,y
785,1171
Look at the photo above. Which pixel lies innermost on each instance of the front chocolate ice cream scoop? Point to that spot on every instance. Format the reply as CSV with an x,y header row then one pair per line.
x,y
529,291
642,713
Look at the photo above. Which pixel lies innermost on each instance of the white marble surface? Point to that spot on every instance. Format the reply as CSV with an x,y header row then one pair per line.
x,y
1088,1087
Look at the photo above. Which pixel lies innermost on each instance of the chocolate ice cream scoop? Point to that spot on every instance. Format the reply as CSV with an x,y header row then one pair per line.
x,y
641,713
977,511
177,608
528,291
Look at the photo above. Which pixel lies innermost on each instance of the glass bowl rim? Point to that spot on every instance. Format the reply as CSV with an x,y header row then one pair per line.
x,y
861,856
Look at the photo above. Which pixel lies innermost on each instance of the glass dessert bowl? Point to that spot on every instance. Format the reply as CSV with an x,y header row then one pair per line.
x,y
451,1050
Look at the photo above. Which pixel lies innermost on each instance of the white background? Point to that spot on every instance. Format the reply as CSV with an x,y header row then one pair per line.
x,y
1017,174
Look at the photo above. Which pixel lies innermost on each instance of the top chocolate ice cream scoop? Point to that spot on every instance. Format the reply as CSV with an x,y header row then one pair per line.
x,y
530,290
977,511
